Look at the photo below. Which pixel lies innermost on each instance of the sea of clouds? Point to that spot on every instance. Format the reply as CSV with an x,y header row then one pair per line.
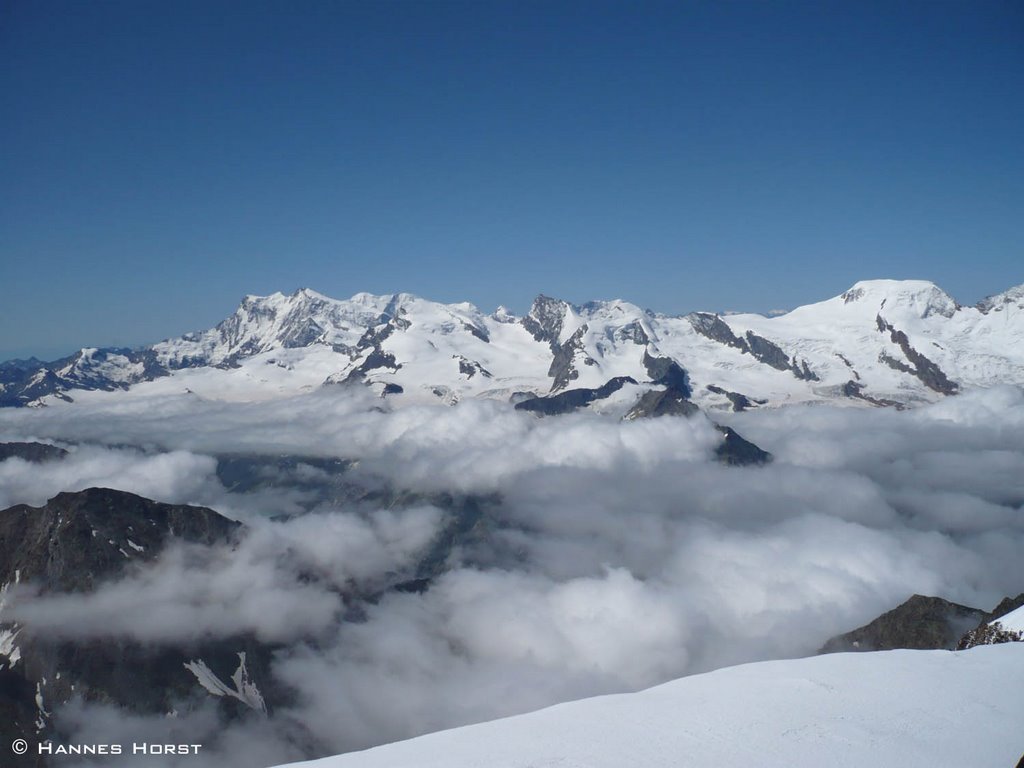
x,y
613,555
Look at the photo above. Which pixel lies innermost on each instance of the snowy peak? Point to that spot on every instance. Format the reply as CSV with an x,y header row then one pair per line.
x,y
547,319
503,315
1012,299
277,321
556,320
921,298
880,343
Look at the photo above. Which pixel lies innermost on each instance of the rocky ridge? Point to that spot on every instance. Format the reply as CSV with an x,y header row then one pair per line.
x,y
930,623
880,343
70,545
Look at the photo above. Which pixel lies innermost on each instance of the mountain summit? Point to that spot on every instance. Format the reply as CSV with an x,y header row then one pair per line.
x,y
881,342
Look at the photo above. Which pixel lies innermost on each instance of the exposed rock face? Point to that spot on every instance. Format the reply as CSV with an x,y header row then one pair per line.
x,y
18,715
1006,605
563,364
924,369
545,322
34,452
260,323
666,372
733,450
990,634
470,368
72,544
863,335
855,390
571,399
1011,299
716,329
758,347
78,539
373,354
739,452
739,401
635,333
545,319
770,353
661,402
22,382
921,622
990,631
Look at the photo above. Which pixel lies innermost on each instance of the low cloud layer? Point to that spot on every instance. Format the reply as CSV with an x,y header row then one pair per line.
x,y
282,582
610,556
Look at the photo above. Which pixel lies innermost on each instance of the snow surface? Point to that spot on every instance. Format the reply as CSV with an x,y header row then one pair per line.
x,y
1013,621
10,653
278,346
242,689
892,708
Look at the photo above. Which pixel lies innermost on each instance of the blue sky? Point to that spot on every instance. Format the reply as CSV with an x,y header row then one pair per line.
x,y
160,160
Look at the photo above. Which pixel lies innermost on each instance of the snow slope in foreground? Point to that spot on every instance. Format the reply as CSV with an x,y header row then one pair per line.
x,y
892,708
1012,622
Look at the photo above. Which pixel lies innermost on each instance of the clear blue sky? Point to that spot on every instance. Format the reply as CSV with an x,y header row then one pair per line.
x,y
159,160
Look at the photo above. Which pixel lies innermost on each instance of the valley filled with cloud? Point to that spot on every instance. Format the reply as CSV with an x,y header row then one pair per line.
x,y
430,566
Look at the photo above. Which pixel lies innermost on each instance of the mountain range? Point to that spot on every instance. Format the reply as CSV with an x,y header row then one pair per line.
x,y
882,342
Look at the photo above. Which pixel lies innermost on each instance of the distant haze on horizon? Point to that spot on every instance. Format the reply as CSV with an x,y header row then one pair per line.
x,y
161,161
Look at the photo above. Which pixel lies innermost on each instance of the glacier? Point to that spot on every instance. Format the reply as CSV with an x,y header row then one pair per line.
x,y
880,343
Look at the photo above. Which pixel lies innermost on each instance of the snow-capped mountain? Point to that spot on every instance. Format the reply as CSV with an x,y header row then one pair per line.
x,y
905,708
882,342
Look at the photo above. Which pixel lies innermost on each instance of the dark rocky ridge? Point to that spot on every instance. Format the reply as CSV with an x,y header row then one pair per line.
x,y
666,372
72,544
855,390
739,401
23,381
662,402
77,539
989,634
986,634
373,340
18,715
716,329
924,623
1006,605
924,369
306,319
470,368
736,451
572,399
34,452
758,347
298,329
563,362
544,321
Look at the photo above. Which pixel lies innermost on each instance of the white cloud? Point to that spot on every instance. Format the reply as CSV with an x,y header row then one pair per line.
x,y
611,555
